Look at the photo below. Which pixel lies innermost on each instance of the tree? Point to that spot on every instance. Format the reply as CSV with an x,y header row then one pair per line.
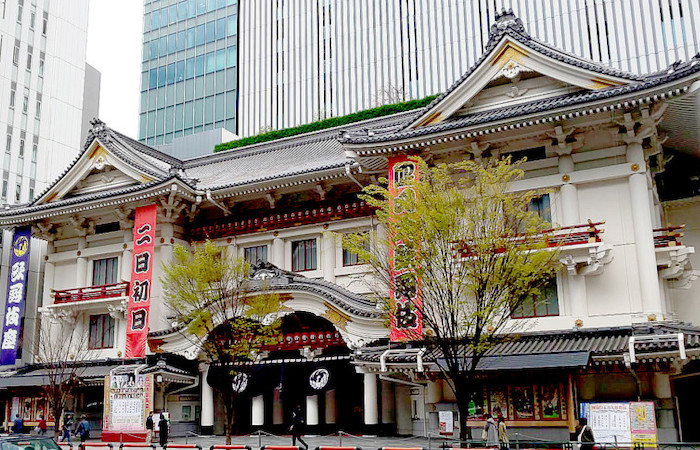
x,y
474,251
221,311
59,351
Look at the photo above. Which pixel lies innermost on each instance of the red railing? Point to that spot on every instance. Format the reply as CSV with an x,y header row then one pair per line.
x,y
91,293
554,237
283,219
669,236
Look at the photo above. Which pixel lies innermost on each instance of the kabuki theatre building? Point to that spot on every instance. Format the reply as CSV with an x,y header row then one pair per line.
x,y
619,327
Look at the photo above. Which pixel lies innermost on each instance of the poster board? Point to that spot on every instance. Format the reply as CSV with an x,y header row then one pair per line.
x,y
446,422
643,423
622,422
128,399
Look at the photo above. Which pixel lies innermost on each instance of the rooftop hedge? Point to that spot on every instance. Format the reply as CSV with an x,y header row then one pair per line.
x,y
359,116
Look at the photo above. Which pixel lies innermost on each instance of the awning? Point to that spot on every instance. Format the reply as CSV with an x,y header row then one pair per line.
x,y
533,361
91,375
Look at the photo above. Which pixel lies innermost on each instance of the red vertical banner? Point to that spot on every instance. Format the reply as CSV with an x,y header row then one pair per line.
x,y
141,281
406,317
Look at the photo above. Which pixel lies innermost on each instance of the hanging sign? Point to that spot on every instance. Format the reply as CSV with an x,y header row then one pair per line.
x,y
141,282
16,290
406,318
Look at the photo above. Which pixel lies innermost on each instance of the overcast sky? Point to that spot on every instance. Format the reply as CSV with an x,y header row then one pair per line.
x,y
114,48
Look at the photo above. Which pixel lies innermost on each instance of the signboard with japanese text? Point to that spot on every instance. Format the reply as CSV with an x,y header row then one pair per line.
x,y
446,422
610,422
128,399
16,292
643,423
406,317
141,280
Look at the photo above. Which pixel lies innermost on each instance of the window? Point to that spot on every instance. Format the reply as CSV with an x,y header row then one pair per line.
x,y
21,148
25,103
8,144
304,255
45,24
13,93
101,331
541,205
37,113
255,254
543,305
4,188
42,58
29,57
352,259
186,413
20,8
532,154
104,271
18,191
15,55
32,19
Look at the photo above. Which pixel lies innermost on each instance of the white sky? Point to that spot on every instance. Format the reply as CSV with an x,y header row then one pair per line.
x,y
114,48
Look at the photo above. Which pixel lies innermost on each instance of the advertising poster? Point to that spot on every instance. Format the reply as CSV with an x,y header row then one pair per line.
x,y
523,402
643,423
128,402
610,422
499,402
551,402
446,422
16,292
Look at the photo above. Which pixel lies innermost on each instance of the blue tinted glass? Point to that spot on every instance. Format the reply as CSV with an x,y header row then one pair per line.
x,y
146,51
182,11
231,57
161,76
220,3
164,17
210,64
211,36
180,71
211,5
221,59
190,38
180,41
171,73
154,48
173,14
200,34
172,43
201,6
221,28
232,25
155,20
199,66
231,2
191,8
189,68
153,79
163,46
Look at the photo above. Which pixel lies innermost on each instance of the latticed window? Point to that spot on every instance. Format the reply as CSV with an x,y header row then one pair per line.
x,y
104,271
304,255
255,254
543,305
101,331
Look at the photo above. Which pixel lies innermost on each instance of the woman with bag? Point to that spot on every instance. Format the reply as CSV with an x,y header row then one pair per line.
x,y
490,433
503,433
584,433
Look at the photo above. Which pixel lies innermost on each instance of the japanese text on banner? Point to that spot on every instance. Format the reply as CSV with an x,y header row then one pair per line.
x,y
16,292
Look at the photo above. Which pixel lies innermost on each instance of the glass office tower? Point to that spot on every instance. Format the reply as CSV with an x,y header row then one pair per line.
x,y
189,78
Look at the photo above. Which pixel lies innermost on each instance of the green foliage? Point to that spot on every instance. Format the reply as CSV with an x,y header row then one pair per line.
x,y
380,111
216,304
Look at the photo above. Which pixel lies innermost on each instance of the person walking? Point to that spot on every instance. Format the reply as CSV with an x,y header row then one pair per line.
x,y
149,427
83,430
18,426
163,429
42,425
585,439
503,433
65,433
297,427
490,433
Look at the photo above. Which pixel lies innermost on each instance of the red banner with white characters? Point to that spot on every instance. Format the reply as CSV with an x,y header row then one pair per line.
x,y
141,281
406,316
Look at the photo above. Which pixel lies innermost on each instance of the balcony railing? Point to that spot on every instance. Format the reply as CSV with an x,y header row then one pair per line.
x,y
588,233
669,236
283,219
91,293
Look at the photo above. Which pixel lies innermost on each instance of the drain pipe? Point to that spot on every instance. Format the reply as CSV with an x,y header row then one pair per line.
x,y
348,172
628,363
209,198
177,391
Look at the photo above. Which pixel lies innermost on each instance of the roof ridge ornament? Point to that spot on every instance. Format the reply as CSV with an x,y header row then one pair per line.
x,y
507,19
99,131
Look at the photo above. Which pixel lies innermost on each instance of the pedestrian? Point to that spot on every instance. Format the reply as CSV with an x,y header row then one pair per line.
x,y
18,426
42,425
65,431
149,427
297,427
503,433
585,439
83,429
163,427
490,433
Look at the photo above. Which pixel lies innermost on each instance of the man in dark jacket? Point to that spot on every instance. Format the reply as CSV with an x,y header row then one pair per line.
x,y
149,427
163,428
297,427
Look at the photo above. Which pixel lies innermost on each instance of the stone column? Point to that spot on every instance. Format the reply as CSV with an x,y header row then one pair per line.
x,y
81,264
329,245
643,230
278,252
257,417
312,409
388,403
277,407
331,407
207,417
576,284
370,404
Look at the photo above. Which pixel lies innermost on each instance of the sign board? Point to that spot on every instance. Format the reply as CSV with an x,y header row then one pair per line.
x,y
643,423
128,401
621,422
141,280
16,293
446,422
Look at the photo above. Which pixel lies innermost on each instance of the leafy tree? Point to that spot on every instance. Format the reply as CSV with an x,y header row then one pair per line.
x,y
221,311
58,350
477,253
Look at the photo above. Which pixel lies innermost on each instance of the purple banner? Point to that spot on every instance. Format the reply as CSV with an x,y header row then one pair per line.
x,y
16,287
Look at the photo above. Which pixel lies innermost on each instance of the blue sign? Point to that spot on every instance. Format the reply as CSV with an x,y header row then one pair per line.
x,y
16,290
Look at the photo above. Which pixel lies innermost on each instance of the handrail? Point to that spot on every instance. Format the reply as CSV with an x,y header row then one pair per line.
x,y
668,236
120,289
